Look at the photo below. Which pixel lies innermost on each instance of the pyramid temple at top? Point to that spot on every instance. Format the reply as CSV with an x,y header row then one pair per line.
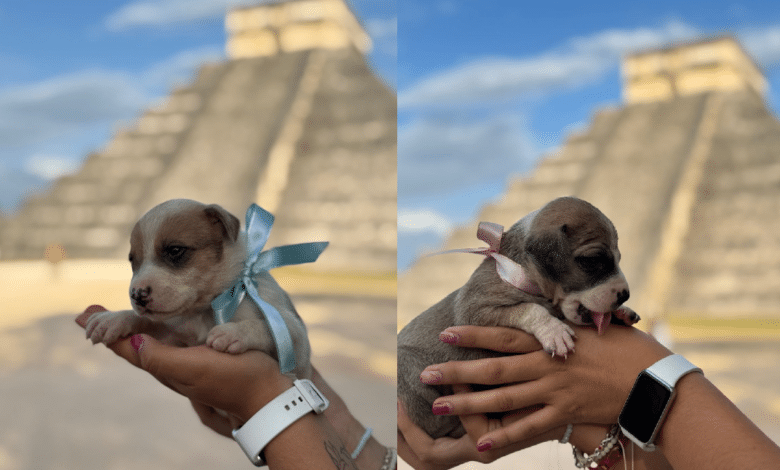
x,y
294,120
688,169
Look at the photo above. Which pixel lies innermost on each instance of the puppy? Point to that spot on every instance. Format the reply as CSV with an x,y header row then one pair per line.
x,y
568,251
183,255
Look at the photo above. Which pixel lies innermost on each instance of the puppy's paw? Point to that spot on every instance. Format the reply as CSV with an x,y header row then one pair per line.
x,y
557,338
626,316
108,327
228,337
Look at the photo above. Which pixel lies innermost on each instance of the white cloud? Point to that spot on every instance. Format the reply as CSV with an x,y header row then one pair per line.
x,y
436,156
763,45
58,105
50,167
423,220
580,62
150,13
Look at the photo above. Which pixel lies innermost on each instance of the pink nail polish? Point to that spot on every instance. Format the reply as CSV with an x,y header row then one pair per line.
x,y
430,377
449,338
136,341
484,446
442,408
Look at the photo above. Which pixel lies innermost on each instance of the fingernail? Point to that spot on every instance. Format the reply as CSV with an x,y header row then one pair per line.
x,y
136,341
449,338
430,377
485,445
443,408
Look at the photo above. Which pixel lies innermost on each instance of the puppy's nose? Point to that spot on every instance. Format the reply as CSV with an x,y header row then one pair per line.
x,y
141,296
622,296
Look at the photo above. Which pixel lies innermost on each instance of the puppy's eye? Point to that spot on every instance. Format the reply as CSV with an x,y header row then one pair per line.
x,y
176,255
598,264
175,252
134,261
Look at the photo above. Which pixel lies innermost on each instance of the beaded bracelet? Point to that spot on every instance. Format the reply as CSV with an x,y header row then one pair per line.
x,y
582,460
390,460
567,434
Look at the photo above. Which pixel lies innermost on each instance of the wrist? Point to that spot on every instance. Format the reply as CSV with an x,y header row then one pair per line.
x,y
299,402
588,436
260,394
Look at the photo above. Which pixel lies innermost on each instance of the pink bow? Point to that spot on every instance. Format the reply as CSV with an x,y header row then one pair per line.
x,y
508,270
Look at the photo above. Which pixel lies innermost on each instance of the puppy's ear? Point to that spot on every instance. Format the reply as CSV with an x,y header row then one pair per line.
x,y
229,224
550,252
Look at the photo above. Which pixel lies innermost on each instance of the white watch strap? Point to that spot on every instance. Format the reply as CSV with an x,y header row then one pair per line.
x,y
671,368
276,416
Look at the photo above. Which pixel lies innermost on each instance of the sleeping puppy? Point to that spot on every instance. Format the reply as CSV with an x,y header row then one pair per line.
x,y
183,255
568,251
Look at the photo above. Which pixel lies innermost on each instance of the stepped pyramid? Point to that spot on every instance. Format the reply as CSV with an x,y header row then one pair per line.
x,y
688,169
295,120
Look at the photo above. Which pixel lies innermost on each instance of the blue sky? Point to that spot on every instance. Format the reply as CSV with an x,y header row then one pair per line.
x,y
71,73
486,88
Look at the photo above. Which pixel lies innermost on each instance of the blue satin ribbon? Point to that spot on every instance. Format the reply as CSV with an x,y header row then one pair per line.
x,y
258,227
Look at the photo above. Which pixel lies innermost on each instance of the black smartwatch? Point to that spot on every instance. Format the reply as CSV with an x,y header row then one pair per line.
x,y
650,399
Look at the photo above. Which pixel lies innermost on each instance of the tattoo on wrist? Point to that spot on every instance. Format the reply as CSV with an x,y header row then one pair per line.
x,y
340,457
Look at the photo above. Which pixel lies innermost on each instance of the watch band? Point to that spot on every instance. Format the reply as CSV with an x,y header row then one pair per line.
x,y
302,398
671,369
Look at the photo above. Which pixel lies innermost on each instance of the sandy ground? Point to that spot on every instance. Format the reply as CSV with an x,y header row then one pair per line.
x,y
65,404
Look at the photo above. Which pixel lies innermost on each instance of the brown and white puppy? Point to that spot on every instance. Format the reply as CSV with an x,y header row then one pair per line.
x,y
183,255
569,249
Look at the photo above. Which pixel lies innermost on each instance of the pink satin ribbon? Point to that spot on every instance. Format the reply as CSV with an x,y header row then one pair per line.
x,y
508,270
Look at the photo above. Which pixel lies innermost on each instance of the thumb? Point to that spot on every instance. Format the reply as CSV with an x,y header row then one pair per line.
x,y
133,348
171,365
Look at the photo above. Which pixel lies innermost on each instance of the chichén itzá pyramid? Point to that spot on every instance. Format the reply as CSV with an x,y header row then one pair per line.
x,y
688,169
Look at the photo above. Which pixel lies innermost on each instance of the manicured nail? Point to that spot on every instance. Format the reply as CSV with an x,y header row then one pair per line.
x,y
443,408
430,377
136,341
485,445
449,338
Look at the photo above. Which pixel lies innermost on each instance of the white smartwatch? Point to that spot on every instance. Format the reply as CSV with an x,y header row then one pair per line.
x,y
650,399
276,416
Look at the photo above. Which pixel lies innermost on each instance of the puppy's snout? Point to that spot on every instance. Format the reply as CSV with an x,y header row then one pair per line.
x,y
622,296
141,296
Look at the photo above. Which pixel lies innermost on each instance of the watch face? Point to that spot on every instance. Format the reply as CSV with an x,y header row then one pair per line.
x,y
645,407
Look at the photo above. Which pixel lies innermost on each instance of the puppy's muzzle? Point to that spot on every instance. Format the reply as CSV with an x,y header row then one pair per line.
x,y
141,297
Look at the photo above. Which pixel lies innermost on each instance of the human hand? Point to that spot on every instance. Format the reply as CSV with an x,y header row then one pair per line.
x,y
423,452
238,384
588,387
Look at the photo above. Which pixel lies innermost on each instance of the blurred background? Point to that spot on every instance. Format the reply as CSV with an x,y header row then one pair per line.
x,y
109,108
662,114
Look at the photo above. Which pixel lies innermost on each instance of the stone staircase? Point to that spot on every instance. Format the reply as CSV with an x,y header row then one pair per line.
x,y
342,184
732,262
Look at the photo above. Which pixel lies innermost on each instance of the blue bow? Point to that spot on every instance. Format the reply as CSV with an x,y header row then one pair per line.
x,y
258,227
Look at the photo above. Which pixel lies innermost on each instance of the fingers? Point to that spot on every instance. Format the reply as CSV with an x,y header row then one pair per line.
x,y
507,340
422,451
499,400
491,371
213,420
539,426
82,319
